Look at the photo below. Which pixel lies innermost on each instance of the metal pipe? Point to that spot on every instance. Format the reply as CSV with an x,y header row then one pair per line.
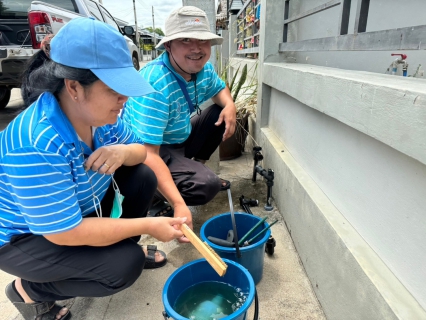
x,y
136,28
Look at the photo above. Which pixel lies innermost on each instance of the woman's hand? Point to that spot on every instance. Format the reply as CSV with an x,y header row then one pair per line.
x,y
165,229
183,211
100,232
107,159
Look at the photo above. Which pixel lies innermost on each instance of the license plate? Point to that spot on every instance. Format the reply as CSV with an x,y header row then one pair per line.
x,y
3,53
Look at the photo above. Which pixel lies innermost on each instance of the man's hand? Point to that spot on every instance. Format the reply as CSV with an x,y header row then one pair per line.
x,y
167,186
182,211
229,115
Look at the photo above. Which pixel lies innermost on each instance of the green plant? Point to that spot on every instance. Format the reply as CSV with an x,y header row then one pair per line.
x,y
243,89
148,47
240,83
244,93
233,79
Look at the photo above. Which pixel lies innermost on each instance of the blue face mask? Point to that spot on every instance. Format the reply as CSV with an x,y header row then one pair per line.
x,y
117,209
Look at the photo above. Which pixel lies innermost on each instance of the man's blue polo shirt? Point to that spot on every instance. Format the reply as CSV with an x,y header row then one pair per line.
x,y
44,188
163,117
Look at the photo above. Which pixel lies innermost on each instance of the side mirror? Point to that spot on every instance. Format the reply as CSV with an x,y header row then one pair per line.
x,y
128,31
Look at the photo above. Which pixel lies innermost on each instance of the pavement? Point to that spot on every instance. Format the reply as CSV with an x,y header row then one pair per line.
x,y
284,292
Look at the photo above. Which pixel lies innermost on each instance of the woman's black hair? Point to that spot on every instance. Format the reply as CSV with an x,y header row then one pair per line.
x,y
45,75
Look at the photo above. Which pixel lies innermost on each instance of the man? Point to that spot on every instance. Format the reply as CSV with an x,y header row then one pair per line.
x,y
177,144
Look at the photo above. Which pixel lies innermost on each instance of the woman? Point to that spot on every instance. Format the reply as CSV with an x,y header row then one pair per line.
x,y
59,232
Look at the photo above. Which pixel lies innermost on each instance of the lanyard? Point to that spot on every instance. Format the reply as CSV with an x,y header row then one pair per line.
x,y
182,86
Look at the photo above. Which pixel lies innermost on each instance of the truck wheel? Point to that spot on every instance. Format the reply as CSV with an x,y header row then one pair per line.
x,y
135,62
4,97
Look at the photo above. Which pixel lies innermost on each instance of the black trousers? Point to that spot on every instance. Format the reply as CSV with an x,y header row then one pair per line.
x,y
196,183
50,272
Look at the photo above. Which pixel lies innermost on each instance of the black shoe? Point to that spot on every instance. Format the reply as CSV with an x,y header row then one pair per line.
x,y
160,209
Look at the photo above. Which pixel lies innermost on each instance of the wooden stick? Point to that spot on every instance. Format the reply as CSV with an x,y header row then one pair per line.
x,y
207,252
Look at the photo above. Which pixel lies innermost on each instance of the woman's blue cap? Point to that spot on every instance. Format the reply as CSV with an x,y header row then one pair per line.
x,y
90,44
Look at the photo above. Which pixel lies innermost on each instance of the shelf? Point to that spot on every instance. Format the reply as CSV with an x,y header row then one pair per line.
x,y
248,38
249,50
244,7
248,11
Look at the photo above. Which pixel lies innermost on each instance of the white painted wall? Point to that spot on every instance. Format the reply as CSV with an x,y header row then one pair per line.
x,y
379,190
383,14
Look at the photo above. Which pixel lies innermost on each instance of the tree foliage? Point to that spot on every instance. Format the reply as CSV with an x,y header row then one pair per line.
x,y
157,31
148,47
3,7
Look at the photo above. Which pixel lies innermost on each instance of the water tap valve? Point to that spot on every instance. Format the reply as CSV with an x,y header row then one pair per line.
x,y
399,61
403,56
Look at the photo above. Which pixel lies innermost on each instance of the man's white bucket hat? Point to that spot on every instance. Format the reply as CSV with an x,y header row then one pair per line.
x,y
188,22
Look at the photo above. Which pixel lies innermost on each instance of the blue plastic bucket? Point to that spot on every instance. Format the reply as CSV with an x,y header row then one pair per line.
x,y
200,271
252,256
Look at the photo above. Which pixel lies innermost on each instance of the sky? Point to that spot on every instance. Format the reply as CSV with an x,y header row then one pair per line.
x,y
123,9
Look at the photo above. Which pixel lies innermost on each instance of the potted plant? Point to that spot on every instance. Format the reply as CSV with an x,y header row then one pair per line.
x,y
245,98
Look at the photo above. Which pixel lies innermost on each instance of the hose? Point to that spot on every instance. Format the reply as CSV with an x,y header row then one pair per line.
x,y
256,305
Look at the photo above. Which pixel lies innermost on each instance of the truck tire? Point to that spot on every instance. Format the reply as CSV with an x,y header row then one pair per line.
x,y
4,97
135,61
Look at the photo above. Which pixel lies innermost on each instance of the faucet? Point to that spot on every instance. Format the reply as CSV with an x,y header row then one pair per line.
x,y
399,61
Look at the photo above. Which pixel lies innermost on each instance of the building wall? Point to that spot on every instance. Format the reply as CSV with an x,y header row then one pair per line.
x,y
347,145
383,14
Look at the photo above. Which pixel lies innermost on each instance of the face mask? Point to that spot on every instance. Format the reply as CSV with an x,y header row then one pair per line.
x,y
117,209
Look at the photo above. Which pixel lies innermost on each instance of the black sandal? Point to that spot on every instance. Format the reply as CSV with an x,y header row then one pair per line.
x,y
160,209
38,310
150,262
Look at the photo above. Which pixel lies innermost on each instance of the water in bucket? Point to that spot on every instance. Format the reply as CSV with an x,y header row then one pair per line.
x,y
199,271
209,300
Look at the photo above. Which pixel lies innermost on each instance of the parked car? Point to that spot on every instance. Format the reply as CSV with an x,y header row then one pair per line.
x,y
24,24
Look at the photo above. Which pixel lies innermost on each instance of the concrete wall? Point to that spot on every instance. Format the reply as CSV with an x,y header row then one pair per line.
x,y
383,14
222,52
348,150
360,154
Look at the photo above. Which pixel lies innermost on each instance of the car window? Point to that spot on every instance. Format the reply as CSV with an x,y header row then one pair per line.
x,y
108,18
18,9
94,10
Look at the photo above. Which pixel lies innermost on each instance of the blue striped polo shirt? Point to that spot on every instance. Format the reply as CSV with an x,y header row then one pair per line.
x,y
44,188
163,117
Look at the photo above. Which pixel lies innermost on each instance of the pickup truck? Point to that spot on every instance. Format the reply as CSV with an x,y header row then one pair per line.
x,y
24,24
